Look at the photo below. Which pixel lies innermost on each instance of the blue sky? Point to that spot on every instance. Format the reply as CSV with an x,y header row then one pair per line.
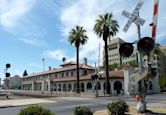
x,y
34,29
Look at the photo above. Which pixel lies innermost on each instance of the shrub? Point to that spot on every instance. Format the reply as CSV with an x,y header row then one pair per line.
x,y
117,108
82,110
35,110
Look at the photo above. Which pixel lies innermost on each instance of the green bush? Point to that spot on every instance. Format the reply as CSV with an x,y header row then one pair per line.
x,y
82,110
35,110
117,108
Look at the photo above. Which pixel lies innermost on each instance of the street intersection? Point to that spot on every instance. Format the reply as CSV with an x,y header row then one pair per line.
x,y
65,105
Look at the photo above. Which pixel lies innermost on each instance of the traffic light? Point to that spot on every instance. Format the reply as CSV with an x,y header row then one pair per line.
x,y
7,74
126,49
145,45
7,65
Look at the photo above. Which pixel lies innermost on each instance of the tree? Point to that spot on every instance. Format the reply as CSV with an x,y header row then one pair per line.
x,y
77,37
35,110
106,27
111,67
133,63
25,73
64,59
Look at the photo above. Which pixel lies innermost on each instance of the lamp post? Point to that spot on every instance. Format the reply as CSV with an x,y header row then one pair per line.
x,y
43,64
95,77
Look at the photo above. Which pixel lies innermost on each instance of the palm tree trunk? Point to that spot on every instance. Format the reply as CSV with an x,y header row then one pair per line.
x,y
78,86
106,68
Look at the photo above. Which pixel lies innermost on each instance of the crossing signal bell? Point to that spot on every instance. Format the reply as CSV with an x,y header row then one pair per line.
x,y
126,49
145,45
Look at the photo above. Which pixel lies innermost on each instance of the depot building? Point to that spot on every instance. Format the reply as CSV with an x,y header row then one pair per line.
x,y
64,80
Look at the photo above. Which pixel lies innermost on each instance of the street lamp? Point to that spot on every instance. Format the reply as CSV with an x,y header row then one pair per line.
x,y
95,77
43,63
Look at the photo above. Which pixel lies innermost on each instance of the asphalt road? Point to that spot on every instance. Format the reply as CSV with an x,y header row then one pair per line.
x,y
65,105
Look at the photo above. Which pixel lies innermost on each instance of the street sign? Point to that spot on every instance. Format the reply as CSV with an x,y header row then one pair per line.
x,y
133,17
138,20
138,7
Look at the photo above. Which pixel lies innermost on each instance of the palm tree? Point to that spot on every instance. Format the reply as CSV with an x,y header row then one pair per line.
x,y
25,73
106,27
77,36
64,59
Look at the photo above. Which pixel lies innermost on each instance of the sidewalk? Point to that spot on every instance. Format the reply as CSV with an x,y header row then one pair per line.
x,y
132,111
21,102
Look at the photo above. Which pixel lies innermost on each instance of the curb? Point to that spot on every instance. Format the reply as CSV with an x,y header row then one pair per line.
x,y
8,106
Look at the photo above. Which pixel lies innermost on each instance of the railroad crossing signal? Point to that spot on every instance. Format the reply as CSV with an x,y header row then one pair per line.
x,y
145,45
133,17
126,49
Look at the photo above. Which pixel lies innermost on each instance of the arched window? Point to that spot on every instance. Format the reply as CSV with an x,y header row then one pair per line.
x,y
118,86
150,85
98,86
69,87
89,86
59,88
104,85
75,87
64,87
82,87
54,87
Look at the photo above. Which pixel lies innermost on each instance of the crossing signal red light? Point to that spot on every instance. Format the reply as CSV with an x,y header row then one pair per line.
x,y
126,49
145,45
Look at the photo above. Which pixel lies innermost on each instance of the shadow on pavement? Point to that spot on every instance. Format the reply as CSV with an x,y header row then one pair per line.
x,y
154,113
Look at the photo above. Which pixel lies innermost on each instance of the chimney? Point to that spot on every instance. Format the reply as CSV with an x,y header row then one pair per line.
x,y
49,68
85,61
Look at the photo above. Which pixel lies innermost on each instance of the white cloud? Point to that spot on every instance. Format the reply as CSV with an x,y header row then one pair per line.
x,y
18,72
85,12
32,64
16,17
34,41
12,11
56,54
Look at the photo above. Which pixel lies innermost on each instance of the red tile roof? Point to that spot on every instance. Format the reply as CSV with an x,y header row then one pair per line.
x,y
68,63
72,67
112,75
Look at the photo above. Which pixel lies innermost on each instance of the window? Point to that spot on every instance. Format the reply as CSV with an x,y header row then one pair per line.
x,y
71,73
67,74
55,75
85,72
89,86
62,74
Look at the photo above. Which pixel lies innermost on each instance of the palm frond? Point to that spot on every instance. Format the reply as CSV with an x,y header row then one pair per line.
x,y
103,22
77,36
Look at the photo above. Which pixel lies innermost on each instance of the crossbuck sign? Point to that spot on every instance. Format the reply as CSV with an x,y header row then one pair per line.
x,y
133,17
